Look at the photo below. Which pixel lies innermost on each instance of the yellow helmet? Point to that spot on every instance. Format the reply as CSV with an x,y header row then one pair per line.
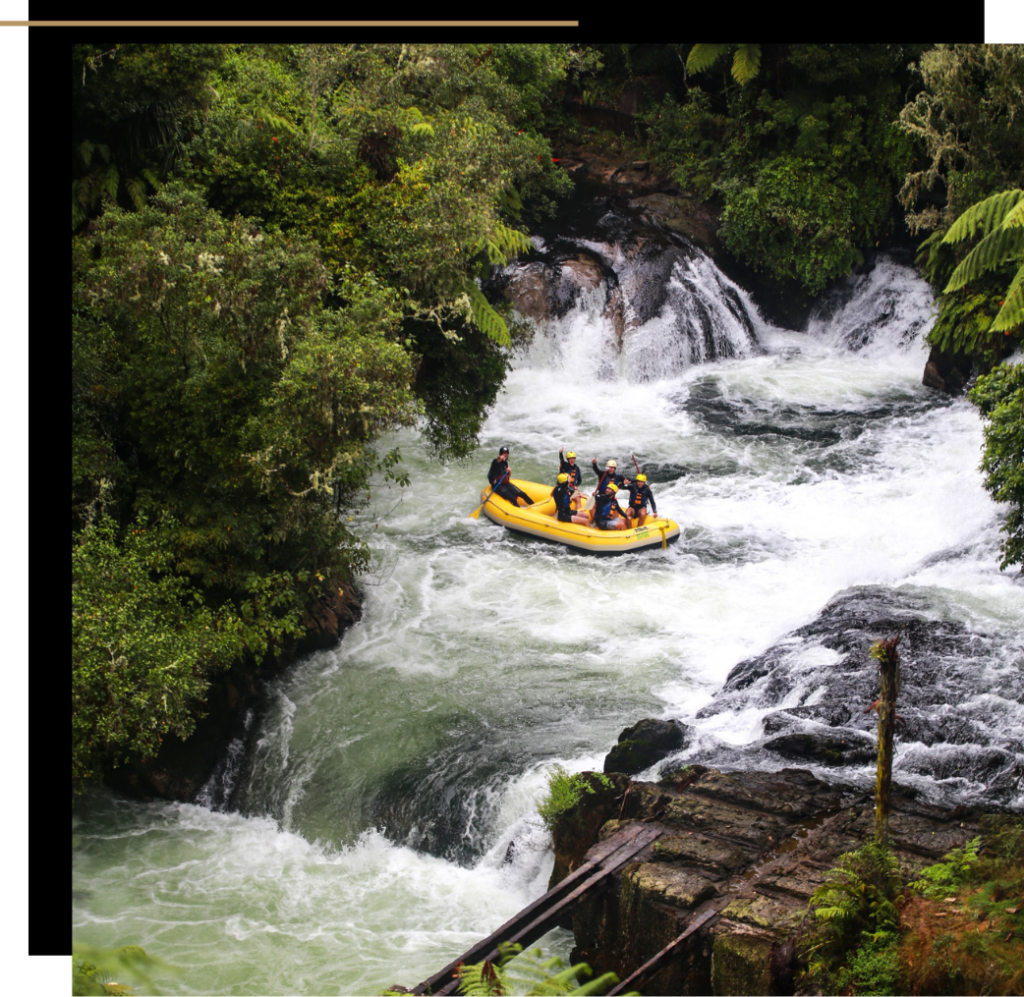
x,y
613,487
570,455
563,478
641,477
613,463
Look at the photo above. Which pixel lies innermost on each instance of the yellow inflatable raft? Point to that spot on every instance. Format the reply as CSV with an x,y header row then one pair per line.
x,y
539,520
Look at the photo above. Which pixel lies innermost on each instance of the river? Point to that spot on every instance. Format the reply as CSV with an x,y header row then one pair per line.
x,y
384,817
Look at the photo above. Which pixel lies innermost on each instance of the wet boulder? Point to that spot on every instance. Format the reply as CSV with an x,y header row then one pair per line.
x,y
645,743
830,745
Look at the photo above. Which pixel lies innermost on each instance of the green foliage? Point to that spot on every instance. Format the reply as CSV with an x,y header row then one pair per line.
x,y
516,970
143,644
946,878
804,161
215,398
965,115
133,106
853,903
874,968
93,969
1000,396
565,791
1000,220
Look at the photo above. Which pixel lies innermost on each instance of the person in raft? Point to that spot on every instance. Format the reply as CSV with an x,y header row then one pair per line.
x,y
499,476
639,497
608,474
567,465
562,494
607,514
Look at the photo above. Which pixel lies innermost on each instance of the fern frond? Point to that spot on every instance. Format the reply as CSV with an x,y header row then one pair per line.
x,y
136,191
598,986
110,181
1012,313
485,318
996,248
746,63
984,216
276,121
703,57
150,177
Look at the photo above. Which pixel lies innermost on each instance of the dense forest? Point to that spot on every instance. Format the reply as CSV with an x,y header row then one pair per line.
x,y
277,253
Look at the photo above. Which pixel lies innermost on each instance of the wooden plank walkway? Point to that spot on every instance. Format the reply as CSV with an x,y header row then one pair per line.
x,y
543,914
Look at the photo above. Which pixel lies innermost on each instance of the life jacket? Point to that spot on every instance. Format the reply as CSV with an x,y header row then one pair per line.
x,y
573,470
603,506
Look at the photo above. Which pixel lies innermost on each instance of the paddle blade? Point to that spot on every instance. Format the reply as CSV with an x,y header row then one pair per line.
x,y
476,514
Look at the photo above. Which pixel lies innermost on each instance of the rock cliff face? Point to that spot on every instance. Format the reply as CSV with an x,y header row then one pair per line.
x,y
751,846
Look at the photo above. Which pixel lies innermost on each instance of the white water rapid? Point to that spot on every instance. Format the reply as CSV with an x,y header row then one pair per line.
x,y
388,807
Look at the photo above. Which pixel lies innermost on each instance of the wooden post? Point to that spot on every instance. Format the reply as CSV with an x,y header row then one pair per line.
x,y
889,678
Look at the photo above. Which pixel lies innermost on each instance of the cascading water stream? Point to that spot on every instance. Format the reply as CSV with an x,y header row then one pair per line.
x,y
382,816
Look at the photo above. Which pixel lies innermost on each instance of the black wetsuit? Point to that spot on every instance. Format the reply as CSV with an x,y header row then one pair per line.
x,y
563,502
639,496
603,511
607,476
508,491
573,470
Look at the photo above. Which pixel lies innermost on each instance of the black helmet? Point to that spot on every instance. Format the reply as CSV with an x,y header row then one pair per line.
x,y
502,450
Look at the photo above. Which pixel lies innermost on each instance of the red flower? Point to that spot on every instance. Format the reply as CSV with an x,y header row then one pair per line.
x,y
555,160
520,132
275,138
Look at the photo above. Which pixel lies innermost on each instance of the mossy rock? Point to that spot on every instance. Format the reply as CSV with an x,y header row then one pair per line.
x,y
741,964
643,744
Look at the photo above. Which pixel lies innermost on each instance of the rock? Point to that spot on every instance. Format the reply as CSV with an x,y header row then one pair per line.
x,y
752,846
578,828
945,371
683,214
544,291
741,962
643,744
825,744
653,882
701,851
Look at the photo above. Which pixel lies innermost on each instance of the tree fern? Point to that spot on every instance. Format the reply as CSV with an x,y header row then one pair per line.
x,y
703,57
529,970
485,318
746,63
987,215
995,249
1001,217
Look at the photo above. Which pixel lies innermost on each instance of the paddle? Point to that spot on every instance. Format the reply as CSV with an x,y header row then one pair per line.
x,y
476,514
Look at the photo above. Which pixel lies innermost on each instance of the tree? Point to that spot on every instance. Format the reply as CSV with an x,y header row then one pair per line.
x,y
1000,396
888,658
222,418
967,117
1000,220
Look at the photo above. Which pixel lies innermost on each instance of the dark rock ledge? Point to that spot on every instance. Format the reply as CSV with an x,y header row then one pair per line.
x,y
751,845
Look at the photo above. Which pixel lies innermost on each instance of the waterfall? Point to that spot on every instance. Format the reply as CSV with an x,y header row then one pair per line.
x,y
384,816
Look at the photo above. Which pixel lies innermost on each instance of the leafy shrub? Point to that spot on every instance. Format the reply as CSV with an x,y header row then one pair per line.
x,y
529,969
853,905
947,877
565,791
